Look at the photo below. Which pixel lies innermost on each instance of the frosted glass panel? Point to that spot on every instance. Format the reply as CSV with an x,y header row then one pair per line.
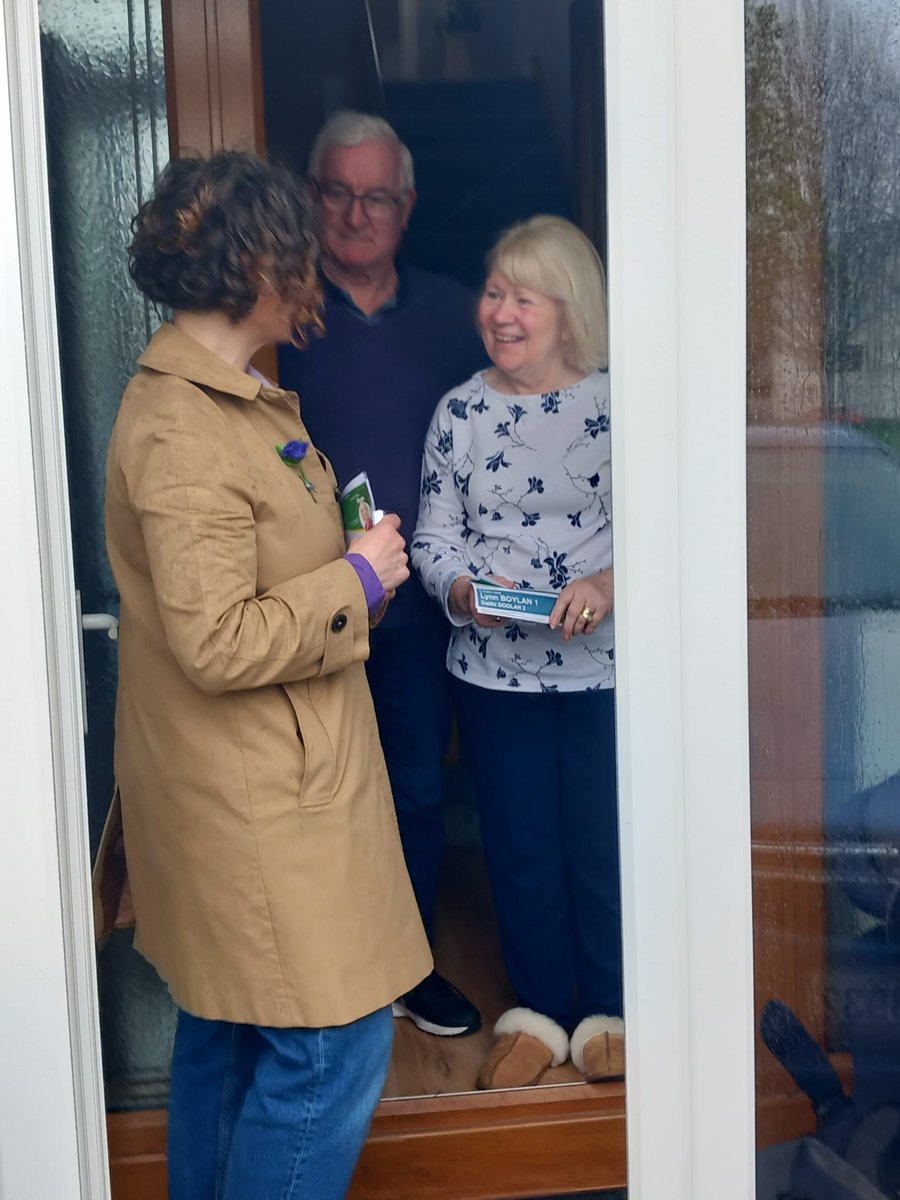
x,y
104,96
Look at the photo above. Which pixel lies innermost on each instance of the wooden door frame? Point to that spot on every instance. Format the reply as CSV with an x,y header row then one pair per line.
x,y
485,1146
214,91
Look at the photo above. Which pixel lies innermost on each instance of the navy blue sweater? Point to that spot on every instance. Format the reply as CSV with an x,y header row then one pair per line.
x,y
369,387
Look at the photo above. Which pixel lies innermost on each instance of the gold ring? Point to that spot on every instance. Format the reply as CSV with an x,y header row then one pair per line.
x,y
587,614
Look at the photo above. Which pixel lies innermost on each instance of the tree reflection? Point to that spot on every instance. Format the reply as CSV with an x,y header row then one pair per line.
x,y
823,198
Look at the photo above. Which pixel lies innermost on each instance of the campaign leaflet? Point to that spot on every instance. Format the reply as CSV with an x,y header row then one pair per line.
x,y
514,604
358,511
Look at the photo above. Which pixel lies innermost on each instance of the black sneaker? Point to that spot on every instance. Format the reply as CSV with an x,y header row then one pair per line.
x,y
437,1007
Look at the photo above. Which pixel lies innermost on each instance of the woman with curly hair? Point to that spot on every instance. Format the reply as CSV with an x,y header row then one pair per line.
x,y
267,876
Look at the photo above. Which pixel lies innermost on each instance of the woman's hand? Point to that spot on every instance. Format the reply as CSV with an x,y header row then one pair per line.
x,y
583,604
385,551
461,600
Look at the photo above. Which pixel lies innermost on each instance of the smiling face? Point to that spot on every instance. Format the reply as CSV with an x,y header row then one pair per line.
x,y
525,334
353,240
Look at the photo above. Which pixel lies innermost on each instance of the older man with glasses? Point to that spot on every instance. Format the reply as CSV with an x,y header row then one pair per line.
x,y
397,339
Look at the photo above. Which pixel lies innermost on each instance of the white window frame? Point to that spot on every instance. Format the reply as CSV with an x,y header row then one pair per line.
x,y
52,1125
675,152
677,302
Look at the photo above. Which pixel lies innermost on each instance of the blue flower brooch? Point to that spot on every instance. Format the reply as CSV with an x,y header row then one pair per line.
x,y
293,454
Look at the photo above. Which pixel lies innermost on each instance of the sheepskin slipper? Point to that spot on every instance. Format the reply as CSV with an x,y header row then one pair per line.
x,y
598,1048
527,1044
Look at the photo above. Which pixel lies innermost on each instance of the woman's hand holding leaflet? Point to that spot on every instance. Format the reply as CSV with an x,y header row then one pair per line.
x,y
384,548
462,600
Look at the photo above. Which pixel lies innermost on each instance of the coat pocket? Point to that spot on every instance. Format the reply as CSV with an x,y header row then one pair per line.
x,y
317,788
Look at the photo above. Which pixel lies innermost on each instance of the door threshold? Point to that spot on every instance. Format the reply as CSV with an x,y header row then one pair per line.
x,y
504,1145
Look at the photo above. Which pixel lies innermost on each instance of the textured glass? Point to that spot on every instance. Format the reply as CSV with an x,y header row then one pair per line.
x,y
823,212
104,97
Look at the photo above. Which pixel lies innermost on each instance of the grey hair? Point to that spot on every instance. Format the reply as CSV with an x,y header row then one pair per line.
x,y
348,128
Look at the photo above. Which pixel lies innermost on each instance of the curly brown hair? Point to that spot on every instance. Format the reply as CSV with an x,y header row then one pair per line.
x,y
216,228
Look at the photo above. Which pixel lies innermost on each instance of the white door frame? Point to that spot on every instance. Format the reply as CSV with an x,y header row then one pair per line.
x,y
675,151
52,1120
677,303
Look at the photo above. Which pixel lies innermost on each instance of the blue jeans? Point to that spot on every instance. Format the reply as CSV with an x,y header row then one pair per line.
x,y
544,769
257,1113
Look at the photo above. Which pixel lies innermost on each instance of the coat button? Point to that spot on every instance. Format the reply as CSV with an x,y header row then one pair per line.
x,y
339,623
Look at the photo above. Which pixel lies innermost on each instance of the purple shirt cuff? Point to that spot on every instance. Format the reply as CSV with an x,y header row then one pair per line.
x,y
369,580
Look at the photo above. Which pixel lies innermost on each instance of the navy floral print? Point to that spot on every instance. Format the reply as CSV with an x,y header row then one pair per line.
x,y
519,486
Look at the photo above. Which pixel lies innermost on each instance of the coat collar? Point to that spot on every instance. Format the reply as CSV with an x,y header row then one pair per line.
x,y
172,352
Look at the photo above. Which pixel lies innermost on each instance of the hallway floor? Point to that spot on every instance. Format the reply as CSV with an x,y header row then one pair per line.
x,y
467,952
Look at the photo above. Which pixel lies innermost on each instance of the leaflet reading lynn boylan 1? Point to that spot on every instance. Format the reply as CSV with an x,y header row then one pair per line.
x,y
515,604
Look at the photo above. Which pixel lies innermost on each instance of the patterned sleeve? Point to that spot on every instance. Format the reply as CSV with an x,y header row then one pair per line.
x,y
438,547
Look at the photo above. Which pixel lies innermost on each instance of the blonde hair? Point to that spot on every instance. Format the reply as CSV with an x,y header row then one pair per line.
x,y
552,256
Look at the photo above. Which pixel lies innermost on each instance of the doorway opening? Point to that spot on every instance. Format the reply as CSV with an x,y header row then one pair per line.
x,y
501,107
504,121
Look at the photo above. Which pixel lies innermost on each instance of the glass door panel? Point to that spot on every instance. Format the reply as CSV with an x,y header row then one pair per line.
x,y
105,107
823,146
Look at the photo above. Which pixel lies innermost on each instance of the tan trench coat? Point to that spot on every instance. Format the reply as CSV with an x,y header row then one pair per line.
x,y
265,866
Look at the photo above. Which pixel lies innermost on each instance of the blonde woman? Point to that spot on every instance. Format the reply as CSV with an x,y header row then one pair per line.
x,y
516,486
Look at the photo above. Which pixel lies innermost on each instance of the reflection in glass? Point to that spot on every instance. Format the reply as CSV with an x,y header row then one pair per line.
x,y
823,195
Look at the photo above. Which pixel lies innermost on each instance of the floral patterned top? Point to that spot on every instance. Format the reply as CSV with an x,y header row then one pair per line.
x,y
519,486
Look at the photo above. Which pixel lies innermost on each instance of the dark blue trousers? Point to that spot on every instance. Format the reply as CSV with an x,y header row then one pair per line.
x,y
544,769
409,684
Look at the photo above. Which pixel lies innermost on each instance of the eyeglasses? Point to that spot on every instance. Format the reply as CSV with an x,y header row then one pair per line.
x,y
377,205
